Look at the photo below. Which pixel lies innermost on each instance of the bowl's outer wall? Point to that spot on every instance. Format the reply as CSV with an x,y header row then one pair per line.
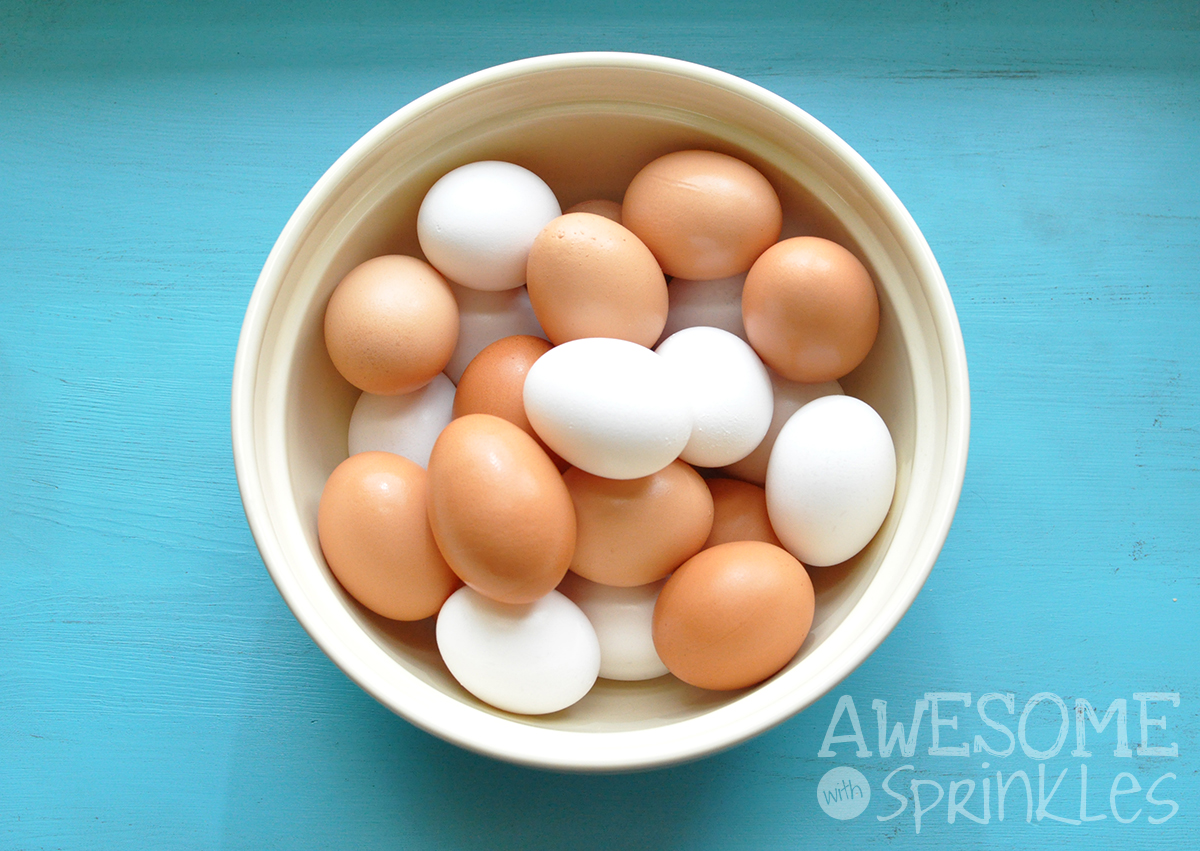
x,y
586,123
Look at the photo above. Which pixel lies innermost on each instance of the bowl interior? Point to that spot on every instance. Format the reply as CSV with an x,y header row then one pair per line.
x,y
586,129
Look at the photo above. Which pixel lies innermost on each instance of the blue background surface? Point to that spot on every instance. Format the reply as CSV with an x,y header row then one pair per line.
x,y
156,692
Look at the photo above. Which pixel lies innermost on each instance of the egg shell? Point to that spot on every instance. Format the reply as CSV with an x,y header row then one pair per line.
x,y
728,390
790,396
810,309
831,479
499,510
623,620
739,513
716,303
406,425
477,222
484,318
494,383
704,215
391,325
589,277
635,531
532,659
733,615
609,407
600,207
376,538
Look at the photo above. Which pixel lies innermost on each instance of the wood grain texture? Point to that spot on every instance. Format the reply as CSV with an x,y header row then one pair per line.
x,y
156,692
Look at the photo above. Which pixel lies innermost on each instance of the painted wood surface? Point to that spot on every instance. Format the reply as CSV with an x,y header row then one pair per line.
x,y
155,692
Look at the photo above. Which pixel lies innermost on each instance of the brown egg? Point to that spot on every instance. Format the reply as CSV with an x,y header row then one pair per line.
x,y
499,510
391,325
376,538
704,215
494,382
739,513
590,277
810,309
733,615
600,207
636,531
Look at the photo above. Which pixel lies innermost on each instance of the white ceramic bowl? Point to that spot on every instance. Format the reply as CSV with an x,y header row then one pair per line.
x,y
586,123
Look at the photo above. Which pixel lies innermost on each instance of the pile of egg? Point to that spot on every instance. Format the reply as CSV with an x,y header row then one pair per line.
x,y
537,399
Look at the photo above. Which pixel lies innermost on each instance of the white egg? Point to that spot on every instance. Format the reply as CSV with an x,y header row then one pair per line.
x,y
477,223
484,318
623,619
716,303
531,659
830,480
728,389
407,424
790,396
609,407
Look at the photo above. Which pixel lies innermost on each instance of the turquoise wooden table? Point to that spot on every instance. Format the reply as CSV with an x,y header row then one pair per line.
x,y
155,692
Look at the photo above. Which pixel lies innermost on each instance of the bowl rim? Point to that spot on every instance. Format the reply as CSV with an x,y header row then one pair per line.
x,y
508,739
